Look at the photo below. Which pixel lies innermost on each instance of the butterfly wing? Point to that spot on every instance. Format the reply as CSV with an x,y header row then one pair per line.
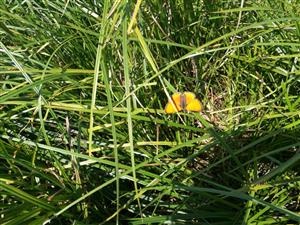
x,y
194,106
176,106
189,96
192,103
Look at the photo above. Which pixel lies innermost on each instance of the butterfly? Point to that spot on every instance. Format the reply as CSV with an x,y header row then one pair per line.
x,y
186,101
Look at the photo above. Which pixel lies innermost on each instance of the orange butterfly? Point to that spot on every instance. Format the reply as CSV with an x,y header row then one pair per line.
x,y
185,101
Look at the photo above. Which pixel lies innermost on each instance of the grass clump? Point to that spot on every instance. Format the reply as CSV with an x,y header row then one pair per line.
x,y
84,138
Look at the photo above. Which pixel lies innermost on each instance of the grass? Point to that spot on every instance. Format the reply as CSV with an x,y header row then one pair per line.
x,y
84,138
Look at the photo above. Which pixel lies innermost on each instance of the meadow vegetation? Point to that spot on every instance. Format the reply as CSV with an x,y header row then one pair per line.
x,y
83,134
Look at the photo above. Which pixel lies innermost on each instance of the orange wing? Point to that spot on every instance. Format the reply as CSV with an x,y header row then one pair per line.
x,y
192,103
176,106
189,96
